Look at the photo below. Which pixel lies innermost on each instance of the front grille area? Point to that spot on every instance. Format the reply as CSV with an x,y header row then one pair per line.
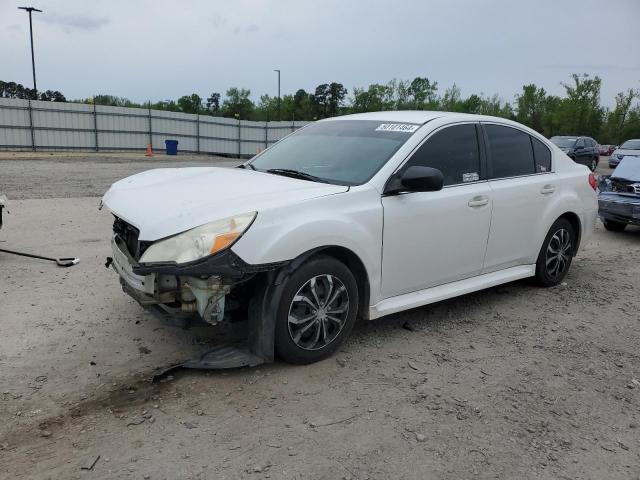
x,y
129,234
625,186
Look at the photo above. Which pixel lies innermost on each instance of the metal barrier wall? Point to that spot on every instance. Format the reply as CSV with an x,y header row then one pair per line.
x,y
39,125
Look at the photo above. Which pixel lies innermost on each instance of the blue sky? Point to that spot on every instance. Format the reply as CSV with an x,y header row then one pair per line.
x,y
144,49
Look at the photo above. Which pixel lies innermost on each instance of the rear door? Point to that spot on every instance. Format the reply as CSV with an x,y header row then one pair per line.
x,y
522,184
432,238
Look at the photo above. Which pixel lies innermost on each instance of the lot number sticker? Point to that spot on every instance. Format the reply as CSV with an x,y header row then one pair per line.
x,y
397,127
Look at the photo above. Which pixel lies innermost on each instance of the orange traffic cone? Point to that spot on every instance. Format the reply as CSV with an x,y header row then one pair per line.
x,y
149,151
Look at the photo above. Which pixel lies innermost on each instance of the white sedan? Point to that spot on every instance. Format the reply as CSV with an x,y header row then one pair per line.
x,y
357,216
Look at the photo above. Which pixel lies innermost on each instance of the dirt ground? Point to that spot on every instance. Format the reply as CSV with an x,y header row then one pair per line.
x,y
512,382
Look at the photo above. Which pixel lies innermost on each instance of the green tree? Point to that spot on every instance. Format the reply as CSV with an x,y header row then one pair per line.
x,y
328,99
451,101
532,105
302,105
375,98
580,111
423,94
616,120
112,101
190,103
237,102
213,103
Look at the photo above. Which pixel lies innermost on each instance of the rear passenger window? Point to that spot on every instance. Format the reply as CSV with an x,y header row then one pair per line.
x,y
511,152
453,151
542,155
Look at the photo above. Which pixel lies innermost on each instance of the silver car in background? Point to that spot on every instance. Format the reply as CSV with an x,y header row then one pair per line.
x,y
628,148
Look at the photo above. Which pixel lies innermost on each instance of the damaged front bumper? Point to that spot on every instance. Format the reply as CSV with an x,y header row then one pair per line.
x,y
206,292
619,208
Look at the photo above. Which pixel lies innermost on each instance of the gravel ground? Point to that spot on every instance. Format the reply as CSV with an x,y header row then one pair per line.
x,y
64,175
512,382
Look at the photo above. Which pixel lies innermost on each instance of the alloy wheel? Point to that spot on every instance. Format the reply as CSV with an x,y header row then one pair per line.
x,y
558,253
318,312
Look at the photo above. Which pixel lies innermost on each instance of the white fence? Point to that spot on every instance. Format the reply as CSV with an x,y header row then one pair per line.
x,y
38,125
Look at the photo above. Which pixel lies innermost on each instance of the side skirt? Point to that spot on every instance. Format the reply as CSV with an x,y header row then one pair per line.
x,y
449,290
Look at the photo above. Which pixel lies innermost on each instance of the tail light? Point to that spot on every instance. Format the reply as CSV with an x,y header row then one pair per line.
x,y
592,181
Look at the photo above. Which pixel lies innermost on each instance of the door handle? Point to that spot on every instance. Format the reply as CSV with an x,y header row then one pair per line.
x,y
478,201
548,189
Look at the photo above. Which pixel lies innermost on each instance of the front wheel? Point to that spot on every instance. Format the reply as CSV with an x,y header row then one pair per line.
x,y
317,311
614,226
555,254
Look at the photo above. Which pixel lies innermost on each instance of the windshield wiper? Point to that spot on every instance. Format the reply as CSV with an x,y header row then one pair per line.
x,y
245,165
286,172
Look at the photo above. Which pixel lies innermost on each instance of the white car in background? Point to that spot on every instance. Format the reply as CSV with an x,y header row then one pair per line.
x,y
630,148
357,216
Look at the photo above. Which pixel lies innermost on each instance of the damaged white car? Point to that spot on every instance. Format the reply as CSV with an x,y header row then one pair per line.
x,y
356,216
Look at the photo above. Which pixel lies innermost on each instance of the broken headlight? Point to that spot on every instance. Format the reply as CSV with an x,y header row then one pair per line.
x,y
199,242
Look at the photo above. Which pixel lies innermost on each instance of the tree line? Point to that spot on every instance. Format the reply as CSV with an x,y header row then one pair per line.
x,y
577,111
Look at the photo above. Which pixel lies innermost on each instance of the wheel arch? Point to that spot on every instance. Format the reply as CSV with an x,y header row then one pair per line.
x,y
351,260
575,222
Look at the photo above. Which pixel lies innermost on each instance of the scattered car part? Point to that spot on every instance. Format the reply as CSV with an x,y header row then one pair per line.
x,y
61,262
3,205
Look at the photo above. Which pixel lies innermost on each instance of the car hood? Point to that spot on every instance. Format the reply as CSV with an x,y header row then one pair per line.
x,y
167,201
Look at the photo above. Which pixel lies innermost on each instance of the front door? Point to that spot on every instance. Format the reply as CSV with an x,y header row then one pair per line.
x,y
433,238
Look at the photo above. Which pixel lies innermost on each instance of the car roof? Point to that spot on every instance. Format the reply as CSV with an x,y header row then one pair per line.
x,y
418,116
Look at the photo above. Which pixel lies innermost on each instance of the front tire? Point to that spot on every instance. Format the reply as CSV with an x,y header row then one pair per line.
x,y
317,311
614,226
556,254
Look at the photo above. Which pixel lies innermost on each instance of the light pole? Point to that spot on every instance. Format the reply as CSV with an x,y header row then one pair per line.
x,y
33,61
278,93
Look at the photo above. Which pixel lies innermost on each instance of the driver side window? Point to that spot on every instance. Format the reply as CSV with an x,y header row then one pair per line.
x,y
580,143
454,151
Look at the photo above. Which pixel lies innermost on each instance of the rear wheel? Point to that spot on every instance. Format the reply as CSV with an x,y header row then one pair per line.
x,y
555,254
317,311
614,226
594,165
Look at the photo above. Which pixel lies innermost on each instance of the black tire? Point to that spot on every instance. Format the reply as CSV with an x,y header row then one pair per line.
x,y
594,165
613,226
320,274
555,254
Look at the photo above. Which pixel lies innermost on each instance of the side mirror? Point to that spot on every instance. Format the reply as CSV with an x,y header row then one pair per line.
x,y
579,147
415,179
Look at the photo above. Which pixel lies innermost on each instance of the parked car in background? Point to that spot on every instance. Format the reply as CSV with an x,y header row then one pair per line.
x,y
583,150
363,215
628,148
619,198
606,150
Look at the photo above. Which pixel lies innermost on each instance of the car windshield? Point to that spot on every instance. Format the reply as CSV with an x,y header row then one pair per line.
x,y
564,142
631,145
345,152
